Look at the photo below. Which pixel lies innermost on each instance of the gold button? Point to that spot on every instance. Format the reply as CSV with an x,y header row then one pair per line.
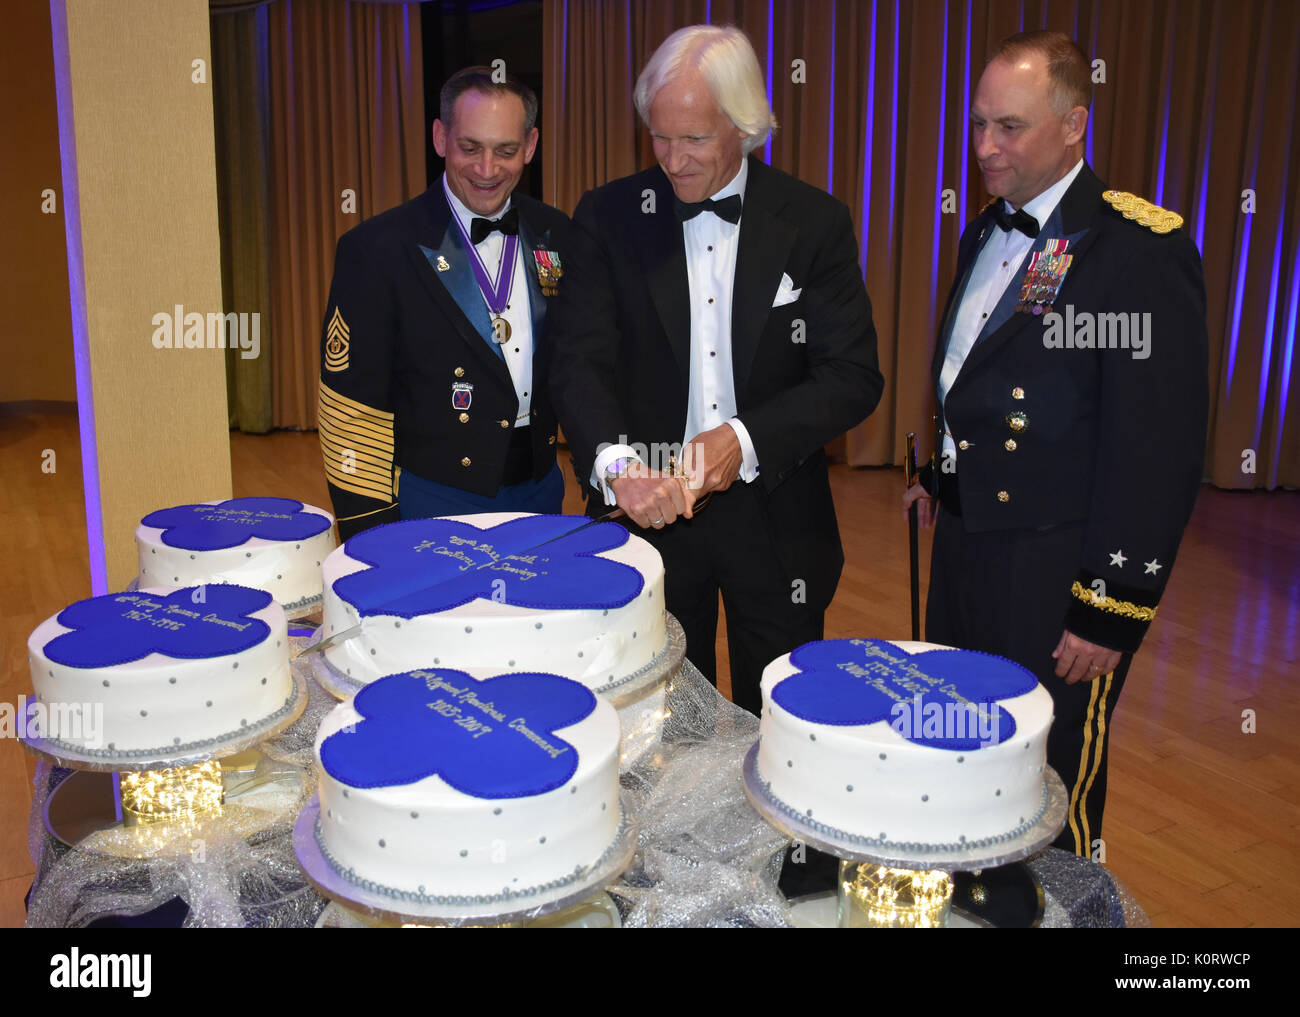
x,y
1017,393
1017,421
963,444
465,462
550,440
464,418
460,372
505,423
1010,444
1003,496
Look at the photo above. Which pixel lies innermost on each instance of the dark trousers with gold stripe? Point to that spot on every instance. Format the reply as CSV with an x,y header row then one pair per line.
x,y
1006,592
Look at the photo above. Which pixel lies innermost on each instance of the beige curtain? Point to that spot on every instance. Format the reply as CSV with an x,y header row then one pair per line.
x,y
346,118
1197,106
240,114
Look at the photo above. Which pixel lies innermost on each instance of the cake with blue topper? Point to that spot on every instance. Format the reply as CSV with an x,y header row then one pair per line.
x,y
440,788
272,544
163,671
494,593
905,744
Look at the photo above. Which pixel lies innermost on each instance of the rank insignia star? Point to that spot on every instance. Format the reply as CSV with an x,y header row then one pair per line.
x,y
1153,567
1117,559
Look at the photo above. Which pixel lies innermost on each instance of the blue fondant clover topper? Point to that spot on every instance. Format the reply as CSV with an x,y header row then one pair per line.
x,y
944,699
232,522
423,566
188,624
489,739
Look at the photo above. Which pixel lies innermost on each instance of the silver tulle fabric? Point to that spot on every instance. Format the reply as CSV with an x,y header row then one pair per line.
x,y
235,870
704,857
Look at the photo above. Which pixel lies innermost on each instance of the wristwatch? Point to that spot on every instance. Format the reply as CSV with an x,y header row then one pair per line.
x,y
616,469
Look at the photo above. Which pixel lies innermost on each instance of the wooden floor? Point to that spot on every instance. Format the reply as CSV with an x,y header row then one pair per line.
x,y
1203,819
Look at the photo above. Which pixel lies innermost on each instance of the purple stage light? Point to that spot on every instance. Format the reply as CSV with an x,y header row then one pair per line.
x,y
77,302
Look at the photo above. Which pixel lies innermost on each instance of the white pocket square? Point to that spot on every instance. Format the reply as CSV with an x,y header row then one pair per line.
x,y
786,293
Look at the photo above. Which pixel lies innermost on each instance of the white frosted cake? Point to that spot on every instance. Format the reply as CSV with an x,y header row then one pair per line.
x,y
478,592
272,544
905,744
163,671
436,787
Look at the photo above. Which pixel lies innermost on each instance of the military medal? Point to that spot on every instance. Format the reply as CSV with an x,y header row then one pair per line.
x,y
1044,277
549,270
495,295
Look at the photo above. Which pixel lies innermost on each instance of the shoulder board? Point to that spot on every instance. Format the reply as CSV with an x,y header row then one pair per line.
x,y
1153,217
987,205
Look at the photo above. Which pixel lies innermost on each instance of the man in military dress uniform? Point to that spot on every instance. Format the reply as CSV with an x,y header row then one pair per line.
x,y
433,395
1072,380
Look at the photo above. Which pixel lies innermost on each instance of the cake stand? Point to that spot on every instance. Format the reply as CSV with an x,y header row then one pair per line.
x,y
89,801
374,906
598,912
88,804
1030,841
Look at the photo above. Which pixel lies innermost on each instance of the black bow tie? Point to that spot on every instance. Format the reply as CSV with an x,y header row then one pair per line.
x,y
481,229
1021,220
728,208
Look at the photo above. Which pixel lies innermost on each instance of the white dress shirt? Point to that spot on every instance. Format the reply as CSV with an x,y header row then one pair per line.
x,y
711,246
996,265
518,349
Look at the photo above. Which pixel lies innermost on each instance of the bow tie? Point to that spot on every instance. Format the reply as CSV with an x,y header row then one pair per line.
x,y
1021,220
728,208
481,229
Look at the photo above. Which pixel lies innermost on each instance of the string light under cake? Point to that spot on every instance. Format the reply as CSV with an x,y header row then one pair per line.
x,y
183,792
880,897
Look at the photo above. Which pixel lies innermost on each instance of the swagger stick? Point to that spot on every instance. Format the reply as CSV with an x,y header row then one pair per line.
x,y
910,466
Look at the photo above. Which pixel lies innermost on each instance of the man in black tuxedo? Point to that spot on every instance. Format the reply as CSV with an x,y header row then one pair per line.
x,y
434,350
715,310
1072,380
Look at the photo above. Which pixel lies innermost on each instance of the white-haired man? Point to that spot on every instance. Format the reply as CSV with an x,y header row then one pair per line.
x,y
716,304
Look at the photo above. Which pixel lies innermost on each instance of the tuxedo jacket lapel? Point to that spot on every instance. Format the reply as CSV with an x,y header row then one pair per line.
x,y
454,291
1071,220
762,251
664,258
966,256
1005,308
763,248
461,285
530,240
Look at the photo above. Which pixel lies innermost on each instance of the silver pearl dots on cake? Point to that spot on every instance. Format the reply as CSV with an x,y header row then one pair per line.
x,y
422,897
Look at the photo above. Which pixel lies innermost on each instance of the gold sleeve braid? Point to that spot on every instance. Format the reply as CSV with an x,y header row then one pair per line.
x,y
1124,608
357,445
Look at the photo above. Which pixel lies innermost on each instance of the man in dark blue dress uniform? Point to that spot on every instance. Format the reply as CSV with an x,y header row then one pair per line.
x,y
434,397
1071,375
